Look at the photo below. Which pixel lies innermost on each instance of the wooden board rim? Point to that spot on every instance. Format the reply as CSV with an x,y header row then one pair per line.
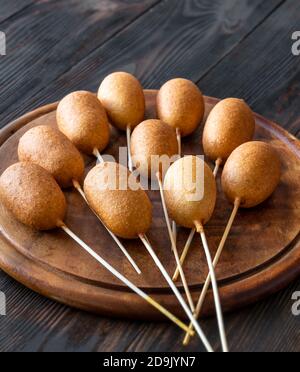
x,y
285,267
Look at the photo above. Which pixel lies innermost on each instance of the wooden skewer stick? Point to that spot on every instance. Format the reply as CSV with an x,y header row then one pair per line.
x,y
217,166
115,238
178,136
215,263
176,292
174,230
200,230
97,154
191,236
174,248
124,280
184,253
128,135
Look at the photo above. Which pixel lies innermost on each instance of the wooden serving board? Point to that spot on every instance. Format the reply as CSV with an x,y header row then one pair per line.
x,y
262,254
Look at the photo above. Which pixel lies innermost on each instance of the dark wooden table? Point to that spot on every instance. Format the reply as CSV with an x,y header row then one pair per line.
x,y
237,48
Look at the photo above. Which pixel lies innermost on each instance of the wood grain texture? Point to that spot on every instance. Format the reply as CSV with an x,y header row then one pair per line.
x,y
177,38
42,325
35,323
263,70
12,7
50,37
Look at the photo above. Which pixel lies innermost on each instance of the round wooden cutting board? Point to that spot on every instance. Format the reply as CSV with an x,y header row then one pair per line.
x,y
262,254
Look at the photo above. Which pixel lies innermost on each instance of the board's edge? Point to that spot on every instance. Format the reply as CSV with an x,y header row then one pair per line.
x,y
232,298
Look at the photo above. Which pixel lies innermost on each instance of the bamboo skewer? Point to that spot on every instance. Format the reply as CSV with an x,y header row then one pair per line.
x,y
174,248
174,227
193,231
217,166
128,135
196,325
123,279
97,154
178,135
216,261
200,230
174,231
184,253
158,263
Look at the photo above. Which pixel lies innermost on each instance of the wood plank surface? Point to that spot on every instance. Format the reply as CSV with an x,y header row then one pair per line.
x,y
50,37
11,7
37,324
263,70
179,38
230,47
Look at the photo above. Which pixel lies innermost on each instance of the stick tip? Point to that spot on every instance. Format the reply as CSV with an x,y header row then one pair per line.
x,y
76,184
185,343
199,227
237,202
60,224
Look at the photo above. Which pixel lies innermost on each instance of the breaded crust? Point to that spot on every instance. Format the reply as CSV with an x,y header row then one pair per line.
x,y
126,212
33,196
187,203
230,124
122,96
53,151
251,173
180,104
81,117
152,137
